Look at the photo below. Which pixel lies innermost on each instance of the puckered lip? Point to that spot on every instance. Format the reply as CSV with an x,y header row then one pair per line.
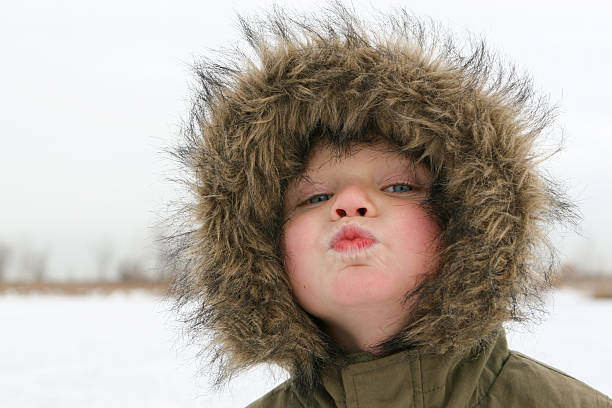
x,y
350,231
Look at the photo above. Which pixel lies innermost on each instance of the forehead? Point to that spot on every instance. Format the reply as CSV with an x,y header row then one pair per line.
x,y
381,155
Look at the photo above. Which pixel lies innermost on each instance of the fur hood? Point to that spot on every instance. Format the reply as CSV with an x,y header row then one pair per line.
x,y
256,114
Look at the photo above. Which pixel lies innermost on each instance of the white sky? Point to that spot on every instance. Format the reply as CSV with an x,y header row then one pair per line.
x,y
92,92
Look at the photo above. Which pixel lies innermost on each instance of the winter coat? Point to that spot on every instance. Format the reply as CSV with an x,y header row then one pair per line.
x,y
467,116
492,378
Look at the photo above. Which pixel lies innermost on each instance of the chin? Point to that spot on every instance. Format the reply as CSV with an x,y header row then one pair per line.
x,y
361,285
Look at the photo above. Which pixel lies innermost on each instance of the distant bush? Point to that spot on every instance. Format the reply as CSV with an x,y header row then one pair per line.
x,y
133,271
33,265
5,253
597,285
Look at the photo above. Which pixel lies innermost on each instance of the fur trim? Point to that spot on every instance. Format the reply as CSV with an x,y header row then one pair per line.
x,y
470,117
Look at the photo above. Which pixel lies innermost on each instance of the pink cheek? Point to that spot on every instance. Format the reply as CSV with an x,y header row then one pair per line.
x,y
301,236
419,224
418,234
299,248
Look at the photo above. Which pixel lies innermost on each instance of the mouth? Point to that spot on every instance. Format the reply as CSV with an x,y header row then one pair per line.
x,y
351,238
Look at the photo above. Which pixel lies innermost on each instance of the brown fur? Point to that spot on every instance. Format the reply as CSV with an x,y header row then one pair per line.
x,y
470,118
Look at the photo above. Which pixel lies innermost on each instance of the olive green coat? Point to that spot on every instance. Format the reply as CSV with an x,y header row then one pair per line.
x,y
496,377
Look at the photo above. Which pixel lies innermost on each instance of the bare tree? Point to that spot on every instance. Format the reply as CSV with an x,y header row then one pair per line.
x,y
104,253
34,265
5,253
131,270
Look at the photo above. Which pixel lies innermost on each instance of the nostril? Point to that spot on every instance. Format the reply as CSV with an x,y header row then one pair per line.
x,y
362,211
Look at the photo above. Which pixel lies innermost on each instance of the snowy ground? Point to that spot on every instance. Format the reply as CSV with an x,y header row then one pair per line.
x,y
125,350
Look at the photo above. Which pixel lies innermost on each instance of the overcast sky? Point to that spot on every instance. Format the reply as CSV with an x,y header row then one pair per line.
x,y
92,92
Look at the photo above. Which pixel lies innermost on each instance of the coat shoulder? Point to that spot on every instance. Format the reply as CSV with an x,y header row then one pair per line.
x,y
281,396
524,381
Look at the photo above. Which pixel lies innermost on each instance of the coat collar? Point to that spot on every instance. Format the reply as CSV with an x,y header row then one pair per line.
x,y
452,379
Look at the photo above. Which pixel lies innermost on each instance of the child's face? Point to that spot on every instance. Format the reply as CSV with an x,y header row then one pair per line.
x,y
379,192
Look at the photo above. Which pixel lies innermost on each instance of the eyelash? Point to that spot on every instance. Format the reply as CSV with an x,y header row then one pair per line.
x,y
392,185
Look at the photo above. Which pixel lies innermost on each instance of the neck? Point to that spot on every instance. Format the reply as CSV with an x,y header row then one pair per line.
x,y
361,330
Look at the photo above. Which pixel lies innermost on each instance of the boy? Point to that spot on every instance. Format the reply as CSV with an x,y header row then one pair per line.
x,y
368,214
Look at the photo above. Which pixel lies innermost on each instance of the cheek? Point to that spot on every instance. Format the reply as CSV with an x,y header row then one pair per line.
x,y
299,245
301,248
417,234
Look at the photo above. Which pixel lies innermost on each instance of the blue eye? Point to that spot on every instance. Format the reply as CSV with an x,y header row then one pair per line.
x,y
404,188
315,198
397,188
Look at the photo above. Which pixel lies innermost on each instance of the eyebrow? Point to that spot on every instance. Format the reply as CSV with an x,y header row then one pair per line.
x,y
305,177
410,169
304,181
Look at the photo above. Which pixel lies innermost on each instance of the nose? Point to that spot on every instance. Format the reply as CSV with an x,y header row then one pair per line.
x,y
352,201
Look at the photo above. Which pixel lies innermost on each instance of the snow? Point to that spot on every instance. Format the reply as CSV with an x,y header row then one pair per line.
x,y
126,350
575,338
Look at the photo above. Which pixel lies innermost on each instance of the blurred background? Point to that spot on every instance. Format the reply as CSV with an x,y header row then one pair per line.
x,y
93,93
